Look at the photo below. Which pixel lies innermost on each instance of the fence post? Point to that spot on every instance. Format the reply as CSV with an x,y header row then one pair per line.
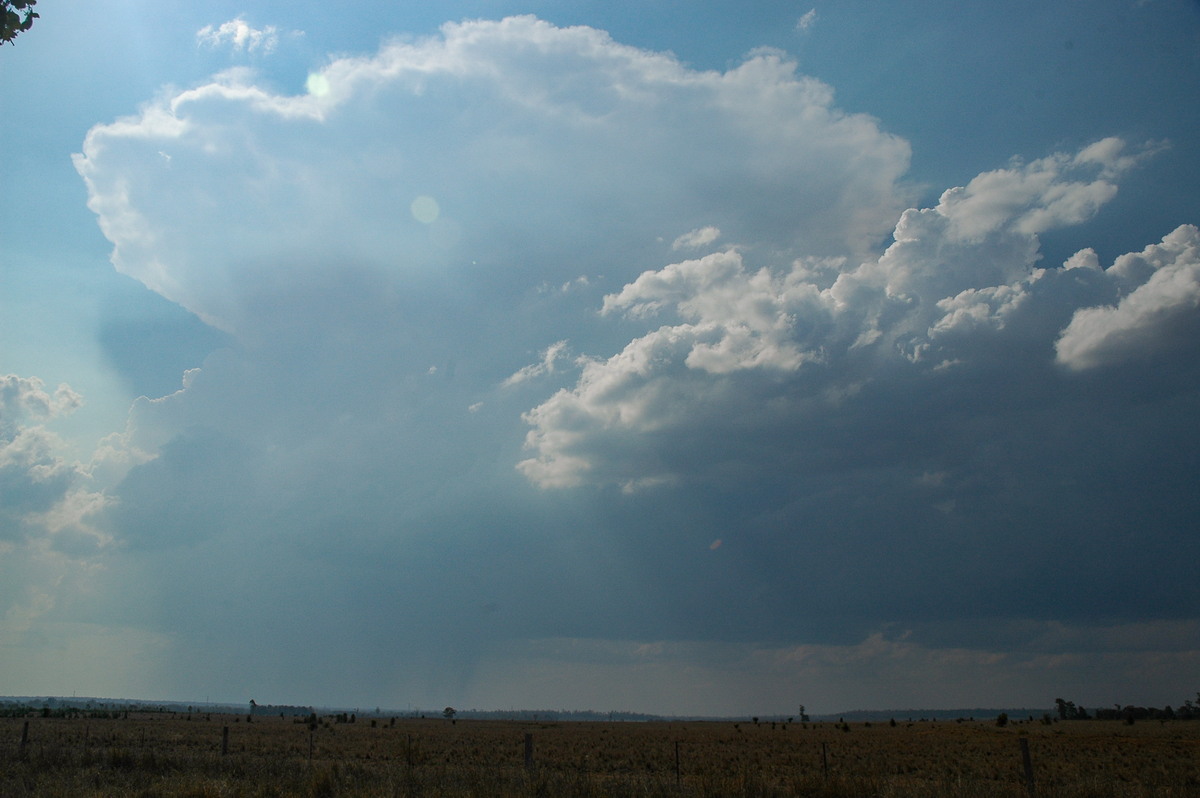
x,y
677,776
224,740
528,750
1028,762
24,739
825,760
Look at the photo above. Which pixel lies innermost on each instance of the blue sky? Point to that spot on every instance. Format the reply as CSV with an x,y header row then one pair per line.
x,y
692,358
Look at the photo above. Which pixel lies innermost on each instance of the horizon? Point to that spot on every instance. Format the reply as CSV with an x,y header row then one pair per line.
x,y
688,357
549,713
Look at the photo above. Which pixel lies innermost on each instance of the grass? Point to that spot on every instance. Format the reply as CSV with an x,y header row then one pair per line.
x,y
147,755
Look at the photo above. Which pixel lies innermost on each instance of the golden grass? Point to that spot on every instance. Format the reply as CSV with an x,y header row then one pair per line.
x,y
148,755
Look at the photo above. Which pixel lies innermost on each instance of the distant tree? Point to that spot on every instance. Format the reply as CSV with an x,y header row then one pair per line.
x,y
12,22
1002,719
449,712
1068,711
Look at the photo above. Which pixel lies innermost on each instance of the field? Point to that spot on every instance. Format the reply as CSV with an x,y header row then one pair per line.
x,y
164,754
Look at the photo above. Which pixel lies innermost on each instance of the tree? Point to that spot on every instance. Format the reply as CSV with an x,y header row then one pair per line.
x,y
449,712
1068,711
11,20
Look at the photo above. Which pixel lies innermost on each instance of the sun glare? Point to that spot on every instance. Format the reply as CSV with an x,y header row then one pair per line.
x,y
317,84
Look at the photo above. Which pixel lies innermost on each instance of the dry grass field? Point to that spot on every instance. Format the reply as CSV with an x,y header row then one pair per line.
x,y
176,755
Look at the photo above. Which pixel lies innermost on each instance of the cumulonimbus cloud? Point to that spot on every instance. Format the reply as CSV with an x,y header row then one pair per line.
x,y
770,372
602,143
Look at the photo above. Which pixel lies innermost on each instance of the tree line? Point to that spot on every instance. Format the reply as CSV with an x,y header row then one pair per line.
x,y
1189,710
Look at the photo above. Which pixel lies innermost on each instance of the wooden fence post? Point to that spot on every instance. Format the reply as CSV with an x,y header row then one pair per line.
x,y
677,776
224,740
1028,762
24,739
825,760
528,750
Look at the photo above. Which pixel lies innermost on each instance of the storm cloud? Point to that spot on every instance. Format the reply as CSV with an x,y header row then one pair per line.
x,y
545,358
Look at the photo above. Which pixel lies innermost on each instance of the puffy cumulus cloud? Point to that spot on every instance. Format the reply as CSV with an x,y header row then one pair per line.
x,y
956,275
50,512
904,426
26,399
1159,294
44,496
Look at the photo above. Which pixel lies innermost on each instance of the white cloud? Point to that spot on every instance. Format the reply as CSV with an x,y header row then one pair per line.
x,y
1146,318
239,35
26,398
564,118
807,20
546,365
974,308
955,272
46,499
738,320
700,237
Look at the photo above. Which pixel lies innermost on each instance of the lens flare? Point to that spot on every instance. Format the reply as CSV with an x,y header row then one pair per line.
x,y
425,209
317,85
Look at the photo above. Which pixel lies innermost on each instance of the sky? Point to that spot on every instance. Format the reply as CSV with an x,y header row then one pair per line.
x,y
692,358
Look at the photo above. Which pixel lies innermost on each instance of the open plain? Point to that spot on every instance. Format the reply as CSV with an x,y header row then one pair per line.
x,y
174,754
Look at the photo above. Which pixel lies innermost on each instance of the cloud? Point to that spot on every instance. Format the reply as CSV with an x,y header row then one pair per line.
x,y
554,108
546,366
34,478
1159,291
789,393
330,419
954,274
49,503
696,238
26,399
240,36
805,23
